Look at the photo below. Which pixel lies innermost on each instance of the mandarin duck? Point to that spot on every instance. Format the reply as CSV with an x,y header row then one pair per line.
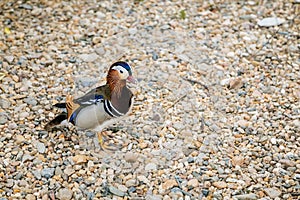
x,y
101,106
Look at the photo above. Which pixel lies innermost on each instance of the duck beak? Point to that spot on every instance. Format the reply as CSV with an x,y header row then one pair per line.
x,y
131,79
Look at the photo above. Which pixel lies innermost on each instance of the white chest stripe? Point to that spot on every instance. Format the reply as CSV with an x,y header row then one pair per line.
x,y
111,110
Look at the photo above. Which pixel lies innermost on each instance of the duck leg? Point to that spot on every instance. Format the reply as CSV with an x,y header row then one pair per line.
x,y
105,141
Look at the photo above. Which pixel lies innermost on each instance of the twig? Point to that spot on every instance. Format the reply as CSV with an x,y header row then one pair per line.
x,y
196,82
202,123
175,102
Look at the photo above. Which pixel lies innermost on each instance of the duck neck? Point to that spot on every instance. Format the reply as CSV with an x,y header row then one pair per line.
x,y
116,86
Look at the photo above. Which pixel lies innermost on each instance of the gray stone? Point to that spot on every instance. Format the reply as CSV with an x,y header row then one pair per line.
x,y
272,192
131,157
88,57
153,197
12,126
24,115
23,183
250,196
30,197
9,183
297,176
31,101
116,191
4,103
27,157
58,171
19,176
37,174
132,31
178,126
26,6
130,183
87,81
151,166
3,118
47,172
9,59
100,51
40,147
69,170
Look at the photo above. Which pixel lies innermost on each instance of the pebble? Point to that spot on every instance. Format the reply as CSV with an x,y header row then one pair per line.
x,y
40,147
3,118
24,115
225,82
205,192
20,139
243,123
131,157
143,179
88,57
220,184
131,189
26,6
168,184
27,157
236,83
273,140
58,171
151,166
272,192
64,194
271,21
250,196
30,101
132,31
193,183
80,159
47,172
9,183
116,191
37,174
256,93
69,170
287,162
4,103
130,183
30,197
96,40
9,59
237,161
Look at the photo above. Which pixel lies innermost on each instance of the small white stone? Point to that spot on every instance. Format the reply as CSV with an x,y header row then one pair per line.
x,y
230,54
271,21
9,59
225,81
273,141
24,115
132,31
151,166
88,57
64,194
40,147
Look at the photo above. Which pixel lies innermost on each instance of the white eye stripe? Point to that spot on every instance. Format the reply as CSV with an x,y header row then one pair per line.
x,y
121,69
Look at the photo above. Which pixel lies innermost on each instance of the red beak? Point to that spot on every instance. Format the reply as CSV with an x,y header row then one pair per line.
x,y
131,79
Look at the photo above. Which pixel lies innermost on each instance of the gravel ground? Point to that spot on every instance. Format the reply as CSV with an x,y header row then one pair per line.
x,y
216,115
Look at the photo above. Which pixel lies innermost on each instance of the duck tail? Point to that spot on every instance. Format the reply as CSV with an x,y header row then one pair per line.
x,y
60,105
56,121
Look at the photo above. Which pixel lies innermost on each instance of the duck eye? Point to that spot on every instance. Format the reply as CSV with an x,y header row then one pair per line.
x,y
121,71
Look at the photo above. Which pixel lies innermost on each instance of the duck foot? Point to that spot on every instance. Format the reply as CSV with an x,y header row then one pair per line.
x,y
107,143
